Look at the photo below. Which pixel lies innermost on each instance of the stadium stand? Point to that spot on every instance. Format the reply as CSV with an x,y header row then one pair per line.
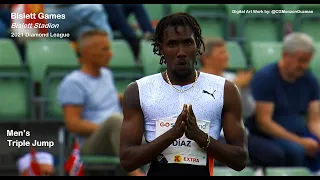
x,y
16,85
123,66
213,18
49,61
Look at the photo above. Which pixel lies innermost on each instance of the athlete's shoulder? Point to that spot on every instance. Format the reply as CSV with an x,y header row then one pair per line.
x,y
131,98
149,80
149,77
143,82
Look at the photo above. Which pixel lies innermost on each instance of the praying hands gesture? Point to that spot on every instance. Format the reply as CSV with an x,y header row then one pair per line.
x,y
192,130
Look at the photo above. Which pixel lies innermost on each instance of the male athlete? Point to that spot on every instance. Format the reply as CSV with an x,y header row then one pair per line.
x,y
181,111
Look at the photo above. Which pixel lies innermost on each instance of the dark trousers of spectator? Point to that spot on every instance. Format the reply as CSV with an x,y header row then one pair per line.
x,y
104,141
118,18
264,151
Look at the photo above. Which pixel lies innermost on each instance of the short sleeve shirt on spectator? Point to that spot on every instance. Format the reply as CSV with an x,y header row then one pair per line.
x,y
97,95
290,99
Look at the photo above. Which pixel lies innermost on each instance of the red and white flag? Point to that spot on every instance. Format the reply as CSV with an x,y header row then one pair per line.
x,y
74,166
34,167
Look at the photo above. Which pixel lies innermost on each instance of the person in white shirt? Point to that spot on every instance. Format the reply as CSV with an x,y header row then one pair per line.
x,y
36,164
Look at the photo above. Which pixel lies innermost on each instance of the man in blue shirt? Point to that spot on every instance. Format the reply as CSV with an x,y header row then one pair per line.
x,y
80,18
90,101
287,104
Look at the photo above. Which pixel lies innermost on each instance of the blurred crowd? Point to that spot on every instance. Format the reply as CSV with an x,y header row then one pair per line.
x,y
79,18
280,101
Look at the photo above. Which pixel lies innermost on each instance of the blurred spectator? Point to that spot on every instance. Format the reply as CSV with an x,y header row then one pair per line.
x,y
215,61
5,20
80,18
36,164
90,101
287,106
16,23
118,19
20,33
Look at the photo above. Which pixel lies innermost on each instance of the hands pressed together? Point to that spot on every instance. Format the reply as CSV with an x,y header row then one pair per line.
x,y
186,124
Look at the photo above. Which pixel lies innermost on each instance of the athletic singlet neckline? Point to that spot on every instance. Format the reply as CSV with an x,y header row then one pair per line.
x,y
184,86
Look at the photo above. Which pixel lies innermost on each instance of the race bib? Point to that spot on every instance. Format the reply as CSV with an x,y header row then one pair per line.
x,y
183,150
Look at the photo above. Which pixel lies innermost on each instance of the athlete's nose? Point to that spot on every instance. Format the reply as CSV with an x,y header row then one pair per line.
x,y
181,53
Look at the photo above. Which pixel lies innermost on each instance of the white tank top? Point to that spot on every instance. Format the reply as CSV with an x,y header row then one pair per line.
x,y
158,100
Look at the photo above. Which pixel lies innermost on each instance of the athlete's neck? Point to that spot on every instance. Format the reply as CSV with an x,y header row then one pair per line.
x,y
218,72
90,70
175,80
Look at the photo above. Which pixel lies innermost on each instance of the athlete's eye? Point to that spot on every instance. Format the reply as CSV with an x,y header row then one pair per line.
x,y
188,43
171,44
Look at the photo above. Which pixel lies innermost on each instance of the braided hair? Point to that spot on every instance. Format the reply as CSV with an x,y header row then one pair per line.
x,y
175,20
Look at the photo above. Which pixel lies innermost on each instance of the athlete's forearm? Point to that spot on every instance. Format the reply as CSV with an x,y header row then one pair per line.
x,y
135,157
234,156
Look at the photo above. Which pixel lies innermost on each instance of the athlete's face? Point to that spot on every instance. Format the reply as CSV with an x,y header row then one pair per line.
x,y
180,50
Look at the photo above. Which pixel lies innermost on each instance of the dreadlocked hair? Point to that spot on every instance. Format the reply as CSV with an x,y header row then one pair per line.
x,y
175,20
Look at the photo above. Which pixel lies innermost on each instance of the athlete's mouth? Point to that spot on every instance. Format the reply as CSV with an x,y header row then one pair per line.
x,y
182,63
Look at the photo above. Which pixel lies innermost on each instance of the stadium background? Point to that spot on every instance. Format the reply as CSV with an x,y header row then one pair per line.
x,y
28,91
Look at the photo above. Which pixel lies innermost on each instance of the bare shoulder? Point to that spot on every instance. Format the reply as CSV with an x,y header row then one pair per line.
x,y
231,95
230,88
131,98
